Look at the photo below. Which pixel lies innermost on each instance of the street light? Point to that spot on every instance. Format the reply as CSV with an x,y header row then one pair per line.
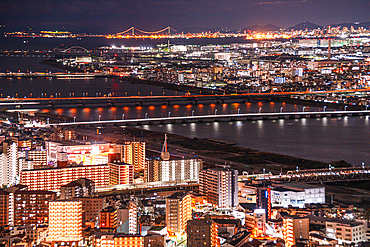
x,y
123,116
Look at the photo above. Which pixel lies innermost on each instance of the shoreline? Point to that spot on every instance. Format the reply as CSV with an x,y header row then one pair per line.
x,y
211,151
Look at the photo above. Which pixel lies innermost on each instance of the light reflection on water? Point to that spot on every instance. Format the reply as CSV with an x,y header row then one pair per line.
x,y
325,139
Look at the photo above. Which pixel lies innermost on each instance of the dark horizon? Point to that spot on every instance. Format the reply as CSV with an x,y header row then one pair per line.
x,y
113,16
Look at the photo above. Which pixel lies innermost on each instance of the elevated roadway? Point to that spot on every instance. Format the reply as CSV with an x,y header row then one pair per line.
x,y
53,102
329,174
217,118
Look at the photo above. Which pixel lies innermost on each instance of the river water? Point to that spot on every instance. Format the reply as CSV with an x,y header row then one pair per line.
x,y
324,139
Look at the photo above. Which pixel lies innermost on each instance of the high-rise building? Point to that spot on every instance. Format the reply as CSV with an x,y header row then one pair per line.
x,y
108,218
65,221
9,169
4,208
134,153
24,164
38,155
295,228
31,207
127,218
260,216
12,190
82,187
121,173
53,178
220,186
202,233
91,208
167,169
178,212
172,170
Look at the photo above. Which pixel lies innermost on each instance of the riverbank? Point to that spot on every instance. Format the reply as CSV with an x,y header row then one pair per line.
x,y
211,151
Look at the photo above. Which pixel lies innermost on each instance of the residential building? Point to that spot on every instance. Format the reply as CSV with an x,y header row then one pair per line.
x,y
220,186
9,169
134,153
121,173
4,208
178,212
91,208
127,218
108,218
202,233
295,229
38,156
79,188
53,178
31,207
172,170
65,221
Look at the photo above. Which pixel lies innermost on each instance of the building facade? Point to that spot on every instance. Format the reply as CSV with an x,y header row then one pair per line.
x,y
202,233
295,229
220,186
31,208
52,179
134,153
121,173
178,212
65,221
173,170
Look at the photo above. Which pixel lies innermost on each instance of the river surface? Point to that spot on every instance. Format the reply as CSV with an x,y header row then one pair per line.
x,y
324,139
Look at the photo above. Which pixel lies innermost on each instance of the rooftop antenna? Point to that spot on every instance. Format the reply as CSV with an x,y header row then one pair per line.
x,y
165,155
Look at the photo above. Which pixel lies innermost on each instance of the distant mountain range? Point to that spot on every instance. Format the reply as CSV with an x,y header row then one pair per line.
x,y
271,27
304,25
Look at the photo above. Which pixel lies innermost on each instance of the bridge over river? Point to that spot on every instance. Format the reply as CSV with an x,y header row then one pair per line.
x,y
215,118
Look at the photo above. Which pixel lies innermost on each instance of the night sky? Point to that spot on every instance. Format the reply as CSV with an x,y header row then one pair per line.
x,y
109,16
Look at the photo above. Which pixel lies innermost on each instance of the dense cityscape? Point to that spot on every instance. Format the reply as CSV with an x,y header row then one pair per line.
x,y
214,137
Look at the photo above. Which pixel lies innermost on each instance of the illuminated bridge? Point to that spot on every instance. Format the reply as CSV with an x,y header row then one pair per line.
x,y
98,101
329,174
217,118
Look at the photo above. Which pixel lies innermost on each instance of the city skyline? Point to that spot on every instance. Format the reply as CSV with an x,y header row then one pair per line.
x,y
115,16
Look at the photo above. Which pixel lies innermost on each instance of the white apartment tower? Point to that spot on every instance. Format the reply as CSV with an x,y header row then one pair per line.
x,y
9,162
220,186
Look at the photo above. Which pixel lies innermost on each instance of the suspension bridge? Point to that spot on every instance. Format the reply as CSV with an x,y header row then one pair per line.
x,y
136,32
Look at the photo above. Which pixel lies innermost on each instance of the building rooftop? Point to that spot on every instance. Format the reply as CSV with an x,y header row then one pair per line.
x,y
34,192
335,220
177,195
301,186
